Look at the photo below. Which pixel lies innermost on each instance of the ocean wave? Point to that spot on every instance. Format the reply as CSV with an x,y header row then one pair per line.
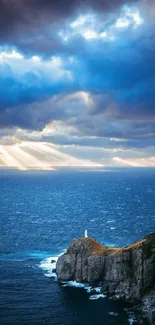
x,y
75,284
95,297
91,289
48,265
85,286
88,288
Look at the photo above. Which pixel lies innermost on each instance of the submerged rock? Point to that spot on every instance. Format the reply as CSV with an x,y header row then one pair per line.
x,y
127,273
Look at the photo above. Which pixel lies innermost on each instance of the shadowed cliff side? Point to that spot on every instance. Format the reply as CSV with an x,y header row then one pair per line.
x,y
127,273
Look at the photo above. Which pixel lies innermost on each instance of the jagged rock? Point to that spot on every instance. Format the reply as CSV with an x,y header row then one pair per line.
x,y
128,272
52,261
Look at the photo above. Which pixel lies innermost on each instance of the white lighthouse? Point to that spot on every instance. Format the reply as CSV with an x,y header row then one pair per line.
x,y
86,233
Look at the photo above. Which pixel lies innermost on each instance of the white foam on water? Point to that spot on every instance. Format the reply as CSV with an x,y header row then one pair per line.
x,y
93,290
95,297
74,284
98,289
84,286
48,265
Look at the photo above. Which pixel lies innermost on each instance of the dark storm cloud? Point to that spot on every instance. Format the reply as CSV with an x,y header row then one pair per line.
x,y
103,126
23,20
119,75
32,116
126,72
30,86
16,13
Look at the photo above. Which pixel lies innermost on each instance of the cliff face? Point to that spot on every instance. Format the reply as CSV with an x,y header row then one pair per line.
x,y
128,272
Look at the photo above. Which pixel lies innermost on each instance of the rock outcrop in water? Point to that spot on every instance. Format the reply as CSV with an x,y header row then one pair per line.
x,y
127,273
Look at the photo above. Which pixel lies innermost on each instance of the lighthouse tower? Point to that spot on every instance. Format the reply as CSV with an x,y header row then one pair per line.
x,y
86,233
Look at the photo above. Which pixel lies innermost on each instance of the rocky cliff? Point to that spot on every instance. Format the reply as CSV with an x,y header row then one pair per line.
x,y
127,273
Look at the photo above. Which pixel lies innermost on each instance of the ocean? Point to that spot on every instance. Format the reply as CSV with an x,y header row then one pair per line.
x,y
41,213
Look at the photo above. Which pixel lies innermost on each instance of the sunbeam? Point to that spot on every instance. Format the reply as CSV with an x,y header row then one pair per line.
x,y
28,160
9,160
39,156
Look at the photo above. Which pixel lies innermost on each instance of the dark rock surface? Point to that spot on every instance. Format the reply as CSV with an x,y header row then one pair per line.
x,y
127,273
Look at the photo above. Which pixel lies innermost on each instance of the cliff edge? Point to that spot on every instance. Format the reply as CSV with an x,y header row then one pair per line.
x,y
128,272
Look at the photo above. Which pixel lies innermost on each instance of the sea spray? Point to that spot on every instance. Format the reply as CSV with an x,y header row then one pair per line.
x,y
48,265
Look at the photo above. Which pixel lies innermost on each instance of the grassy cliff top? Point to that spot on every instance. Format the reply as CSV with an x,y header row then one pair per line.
x,y
88,246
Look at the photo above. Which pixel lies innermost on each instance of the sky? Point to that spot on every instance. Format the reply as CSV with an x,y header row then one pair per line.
x,y
77,83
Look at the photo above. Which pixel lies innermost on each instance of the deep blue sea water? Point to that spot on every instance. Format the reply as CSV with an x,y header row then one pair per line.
x,y
40,213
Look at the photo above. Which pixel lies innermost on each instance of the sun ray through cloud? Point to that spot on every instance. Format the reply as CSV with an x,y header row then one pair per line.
x,y
19,156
